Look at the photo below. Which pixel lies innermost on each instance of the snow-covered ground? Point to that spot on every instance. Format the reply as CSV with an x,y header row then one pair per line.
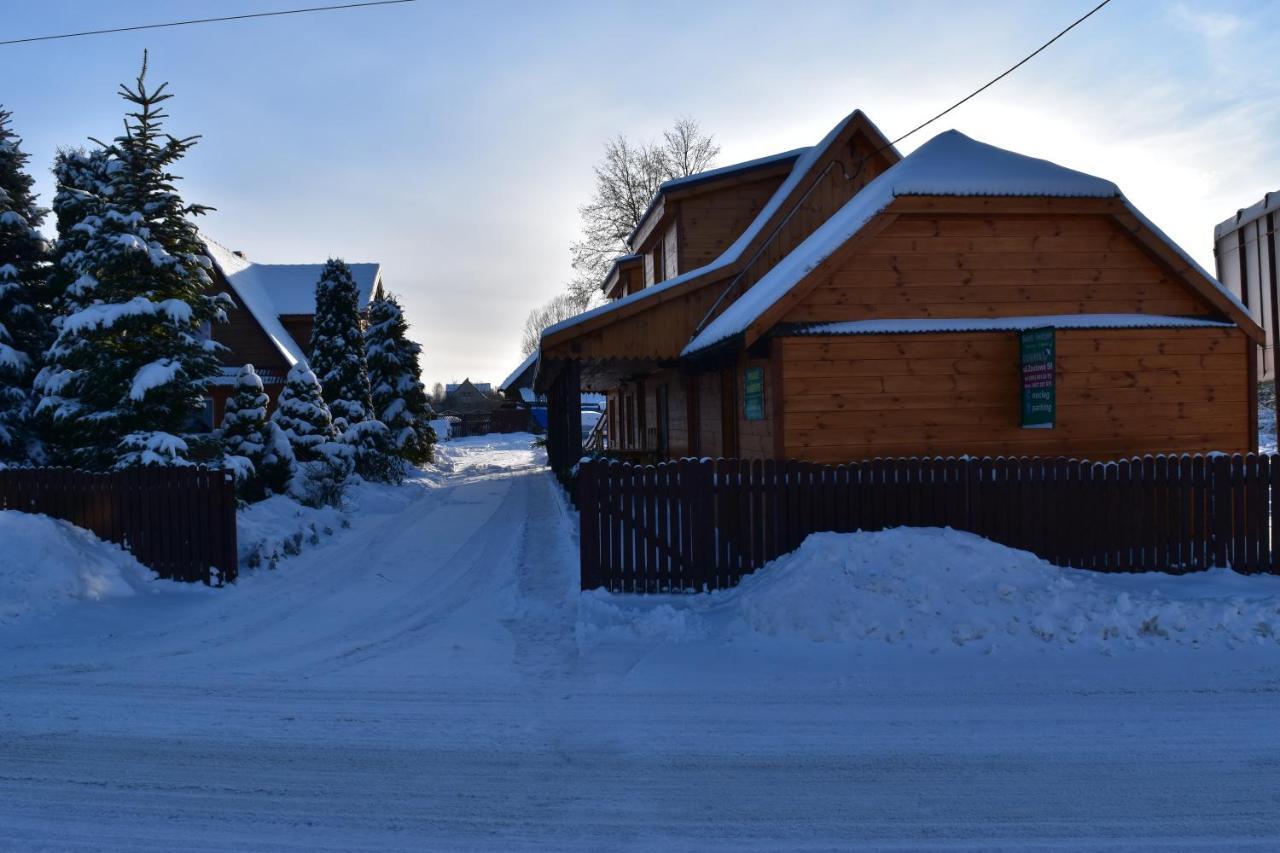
x,y
428,678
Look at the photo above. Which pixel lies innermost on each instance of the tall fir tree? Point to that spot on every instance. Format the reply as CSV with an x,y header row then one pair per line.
x,y
399,398
23,324
256,448
323,462
126,375
337,356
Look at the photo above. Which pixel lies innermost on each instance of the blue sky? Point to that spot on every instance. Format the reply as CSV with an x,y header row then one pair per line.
x,y
454,142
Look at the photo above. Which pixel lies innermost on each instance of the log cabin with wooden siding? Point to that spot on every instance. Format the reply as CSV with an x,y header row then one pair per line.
x,y
269,322
874,307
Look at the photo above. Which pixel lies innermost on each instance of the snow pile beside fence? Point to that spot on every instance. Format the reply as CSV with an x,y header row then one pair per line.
x,y
279,527
933,589
45,563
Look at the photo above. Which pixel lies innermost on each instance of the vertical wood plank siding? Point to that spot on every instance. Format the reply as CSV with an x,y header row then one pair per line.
x,y
180,522
695,525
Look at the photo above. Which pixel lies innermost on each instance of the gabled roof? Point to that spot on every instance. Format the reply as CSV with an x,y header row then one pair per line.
x,y
269,291
711,176
950,164
808,160
1270,204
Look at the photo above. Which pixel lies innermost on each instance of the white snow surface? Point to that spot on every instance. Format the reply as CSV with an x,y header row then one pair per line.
x,y
949,164
913,325
936,590
46,564
515,374
429,678
153,375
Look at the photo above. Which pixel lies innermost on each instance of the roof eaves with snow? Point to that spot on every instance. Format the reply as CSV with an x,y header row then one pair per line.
x,y
243,278
519,371
804,163
950,164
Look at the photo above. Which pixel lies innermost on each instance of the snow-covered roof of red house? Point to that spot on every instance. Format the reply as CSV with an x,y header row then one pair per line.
x,y
269,291
950,164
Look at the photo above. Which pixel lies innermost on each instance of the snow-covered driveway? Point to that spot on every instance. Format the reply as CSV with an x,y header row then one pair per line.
x,y
421,682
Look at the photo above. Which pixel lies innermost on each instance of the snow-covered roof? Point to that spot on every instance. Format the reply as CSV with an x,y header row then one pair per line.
x,y
253,294
731,255
918,325
519,371
950,164
271,290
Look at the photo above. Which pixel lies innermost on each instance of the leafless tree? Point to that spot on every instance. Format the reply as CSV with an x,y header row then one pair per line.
x,y
626,180
561,307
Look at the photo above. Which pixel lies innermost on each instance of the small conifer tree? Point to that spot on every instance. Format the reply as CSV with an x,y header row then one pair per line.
x,y
337,355
399,398
303,418
256,448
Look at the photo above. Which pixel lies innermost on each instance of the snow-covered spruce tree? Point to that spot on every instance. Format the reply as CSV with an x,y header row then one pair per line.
x,y
82,187
337,356
126,375
303,418
254,447
399,398
24,330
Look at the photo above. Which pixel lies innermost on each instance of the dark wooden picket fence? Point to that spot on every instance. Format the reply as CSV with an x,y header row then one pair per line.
x,y
181,522
702,524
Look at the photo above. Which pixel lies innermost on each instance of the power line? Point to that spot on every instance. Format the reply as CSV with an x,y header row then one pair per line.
x,y
207,21
1077,22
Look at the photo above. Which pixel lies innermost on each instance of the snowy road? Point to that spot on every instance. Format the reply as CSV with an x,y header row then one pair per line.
x,y
415,683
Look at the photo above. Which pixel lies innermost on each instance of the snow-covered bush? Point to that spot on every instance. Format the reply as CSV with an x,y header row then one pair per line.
x,y
267,465
399,398
337,356
323,463
23,325
126,375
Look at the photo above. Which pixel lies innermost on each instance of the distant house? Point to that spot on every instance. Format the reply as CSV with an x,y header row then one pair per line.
x,y
468,398
961,300
270,324
1245,248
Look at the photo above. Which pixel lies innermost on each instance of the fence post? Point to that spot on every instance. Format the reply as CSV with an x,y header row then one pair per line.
x,y
1220,510
588,521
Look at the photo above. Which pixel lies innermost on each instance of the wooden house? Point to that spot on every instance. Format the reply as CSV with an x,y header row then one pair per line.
x,y
875,306
269,325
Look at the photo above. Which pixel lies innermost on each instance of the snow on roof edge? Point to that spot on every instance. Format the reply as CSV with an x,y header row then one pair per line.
x,y
255,299
1270,204
926,171
515,374
731,254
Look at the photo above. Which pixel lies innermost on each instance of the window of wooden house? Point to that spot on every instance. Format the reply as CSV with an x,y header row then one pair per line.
x,y
629,419
659,264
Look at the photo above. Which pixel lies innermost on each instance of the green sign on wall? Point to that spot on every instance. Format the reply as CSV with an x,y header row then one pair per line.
x,y
753,393
1039,403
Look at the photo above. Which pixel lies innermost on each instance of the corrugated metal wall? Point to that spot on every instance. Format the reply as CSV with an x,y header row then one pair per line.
x,y
1245,247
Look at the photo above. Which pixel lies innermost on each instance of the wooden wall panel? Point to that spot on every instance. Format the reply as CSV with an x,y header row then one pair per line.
x,y
711,221
247,342
709,398
999,266
1120,392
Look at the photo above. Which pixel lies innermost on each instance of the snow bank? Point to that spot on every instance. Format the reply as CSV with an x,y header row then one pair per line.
x,y
46,563
934,589
279,527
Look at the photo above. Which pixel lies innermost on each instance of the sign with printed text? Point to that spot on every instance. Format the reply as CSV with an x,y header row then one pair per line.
x,y
753,393
1039,400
